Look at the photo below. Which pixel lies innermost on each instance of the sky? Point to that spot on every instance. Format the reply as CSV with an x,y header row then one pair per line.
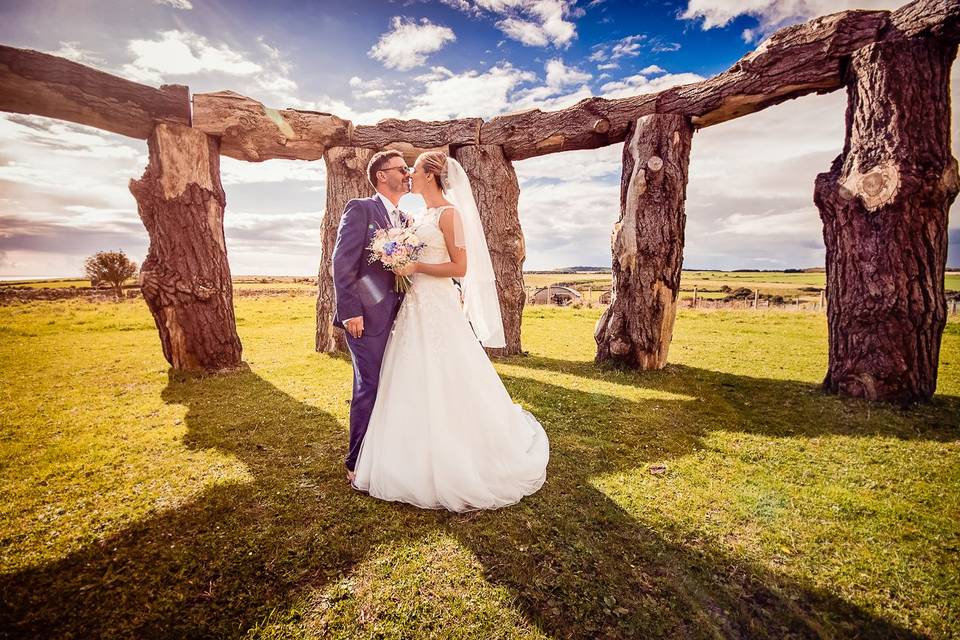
x,y
63,186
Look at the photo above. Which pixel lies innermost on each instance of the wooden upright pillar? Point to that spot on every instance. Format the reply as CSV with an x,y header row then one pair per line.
x,y
186,278
346,180
884,206
497,192
647,244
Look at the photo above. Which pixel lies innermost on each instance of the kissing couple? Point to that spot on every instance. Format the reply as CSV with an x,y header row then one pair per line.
x,y
431,423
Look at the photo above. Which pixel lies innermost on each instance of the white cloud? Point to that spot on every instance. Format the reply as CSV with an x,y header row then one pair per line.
x,y
533,23
627,47
181,53
659,47
73,51
772,14
643,83
234,171
560,75
469,94
176,4
407,43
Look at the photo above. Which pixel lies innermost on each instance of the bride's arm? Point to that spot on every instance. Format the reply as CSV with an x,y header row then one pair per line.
x,y
457,266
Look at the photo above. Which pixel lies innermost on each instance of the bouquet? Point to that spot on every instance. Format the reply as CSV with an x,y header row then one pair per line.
x,y
396,247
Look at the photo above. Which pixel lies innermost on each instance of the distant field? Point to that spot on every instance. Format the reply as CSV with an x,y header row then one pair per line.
x,y
708,283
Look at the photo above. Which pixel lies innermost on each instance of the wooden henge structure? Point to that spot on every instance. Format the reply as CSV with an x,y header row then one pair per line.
x,y
884,202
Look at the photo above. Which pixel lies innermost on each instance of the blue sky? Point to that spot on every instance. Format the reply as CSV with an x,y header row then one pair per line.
x,y
63,187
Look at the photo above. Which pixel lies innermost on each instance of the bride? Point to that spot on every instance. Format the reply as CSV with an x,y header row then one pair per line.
x,y
444,432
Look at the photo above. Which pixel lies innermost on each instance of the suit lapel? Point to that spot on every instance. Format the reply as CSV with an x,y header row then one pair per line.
x,y
382,212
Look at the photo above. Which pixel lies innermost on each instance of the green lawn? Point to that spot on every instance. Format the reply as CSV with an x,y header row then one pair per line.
x,y
143,504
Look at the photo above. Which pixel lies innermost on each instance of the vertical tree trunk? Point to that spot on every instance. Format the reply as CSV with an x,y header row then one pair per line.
x,y
346,179
884,207
496,190
647,244
186,278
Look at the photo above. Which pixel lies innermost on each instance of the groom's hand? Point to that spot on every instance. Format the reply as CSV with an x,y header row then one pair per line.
x,y
354,326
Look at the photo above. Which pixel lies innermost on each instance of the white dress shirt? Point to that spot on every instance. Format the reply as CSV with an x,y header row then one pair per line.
x,y
392,211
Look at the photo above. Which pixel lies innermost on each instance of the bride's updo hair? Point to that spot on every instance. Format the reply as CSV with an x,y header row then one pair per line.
x,y
435,164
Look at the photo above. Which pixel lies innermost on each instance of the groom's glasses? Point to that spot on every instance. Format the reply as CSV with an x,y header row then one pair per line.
x,y
405,169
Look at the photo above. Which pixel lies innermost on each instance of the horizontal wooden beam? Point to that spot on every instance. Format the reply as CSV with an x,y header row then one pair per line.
x,y
250,131
418,133
794,61
41,84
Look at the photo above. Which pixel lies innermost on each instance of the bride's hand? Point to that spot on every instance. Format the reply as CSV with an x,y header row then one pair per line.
x,y
407,270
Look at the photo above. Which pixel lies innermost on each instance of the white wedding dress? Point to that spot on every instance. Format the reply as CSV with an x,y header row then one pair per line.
x,y
444,432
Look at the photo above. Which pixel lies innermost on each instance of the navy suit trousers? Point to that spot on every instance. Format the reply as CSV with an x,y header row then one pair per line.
x,y
367,354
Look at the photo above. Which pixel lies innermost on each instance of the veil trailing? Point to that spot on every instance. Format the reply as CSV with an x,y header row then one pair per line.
x,y
480,302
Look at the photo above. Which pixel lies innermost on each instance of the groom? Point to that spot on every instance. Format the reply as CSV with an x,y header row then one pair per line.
x,y
366,302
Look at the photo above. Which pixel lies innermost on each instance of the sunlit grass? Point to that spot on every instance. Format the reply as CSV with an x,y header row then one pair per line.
x,y
725,495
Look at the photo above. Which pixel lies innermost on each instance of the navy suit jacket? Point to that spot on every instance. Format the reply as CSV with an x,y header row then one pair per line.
x,y
362,288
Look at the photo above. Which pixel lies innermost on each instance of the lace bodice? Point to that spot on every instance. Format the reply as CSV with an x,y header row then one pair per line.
x,y
427,228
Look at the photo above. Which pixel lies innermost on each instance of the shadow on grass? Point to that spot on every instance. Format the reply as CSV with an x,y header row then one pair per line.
x,y
774,407
580,566
584,567
219,563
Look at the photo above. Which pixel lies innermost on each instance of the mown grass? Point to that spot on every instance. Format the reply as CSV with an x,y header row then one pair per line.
x,y
723,496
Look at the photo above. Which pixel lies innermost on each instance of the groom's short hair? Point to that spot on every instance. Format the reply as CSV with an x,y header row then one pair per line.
x,y
377,161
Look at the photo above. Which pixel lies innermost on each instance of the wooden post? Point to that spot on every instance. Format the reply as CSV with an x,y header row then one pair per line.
x,y
821,299
756,297
884,206
694,296
497,192
185,278
346,179
636,329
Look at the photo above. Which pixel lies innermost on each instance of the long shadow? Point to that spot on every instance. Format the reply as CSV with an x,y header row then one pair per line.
x,y
218,564
580,565
775,407
583,567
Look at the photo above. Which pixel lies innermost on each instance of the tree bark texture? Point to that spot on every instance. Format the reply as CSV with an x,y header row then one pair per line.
x,y
42,84
185,278
884,206
647,244
346,180
421,134
250,131
496,190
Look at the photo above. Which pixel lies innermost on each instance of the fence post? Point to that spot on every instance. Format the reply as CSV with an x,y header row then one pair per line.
x,y
694,297
756,297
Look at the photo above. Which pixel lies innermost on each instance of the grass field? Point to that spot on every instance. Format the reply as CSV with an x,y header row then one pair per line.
x,y
140,503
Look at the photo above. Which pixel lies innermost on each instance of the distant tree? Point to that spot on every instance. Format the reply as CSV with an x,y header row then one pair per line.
x,y
112,267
